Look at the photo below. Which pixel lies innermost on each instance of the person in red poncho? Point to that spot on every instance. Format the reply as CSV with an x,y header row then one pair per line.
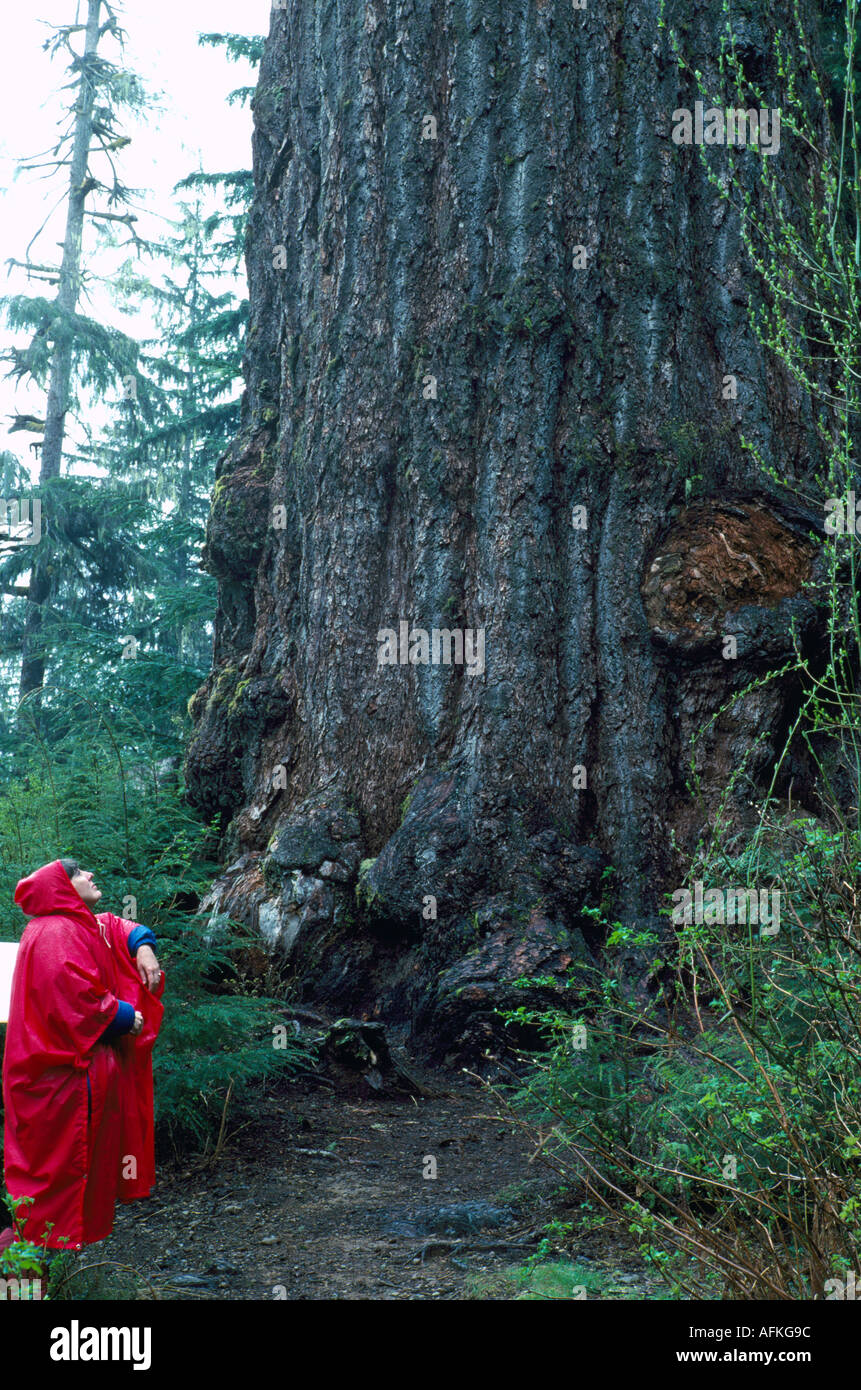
x,y
77,1071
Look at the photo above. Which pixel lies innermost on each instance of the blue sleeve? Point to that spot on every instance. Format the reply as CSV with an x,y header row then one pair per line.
x,y
124,1022
141,936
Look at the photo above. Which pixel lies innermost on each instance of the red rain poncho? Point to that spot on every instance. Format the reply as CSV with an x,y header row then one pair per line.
x,y
79,1112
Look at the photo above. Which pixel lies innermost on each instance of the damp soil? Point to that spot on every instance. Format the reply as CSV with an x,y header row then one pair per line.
x,y
326,1195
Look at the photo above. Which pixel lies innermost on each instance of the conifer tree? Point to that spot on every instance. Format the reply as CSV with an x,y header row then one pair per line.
x,y
129,505
69,350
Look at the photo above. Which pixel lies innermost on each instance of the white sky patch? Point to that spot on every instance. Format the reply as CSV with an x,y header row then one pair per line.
x,y
193,126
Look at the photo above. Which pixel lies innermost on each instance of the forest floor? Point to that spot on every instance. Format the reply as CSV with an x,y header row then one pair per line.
x,y
322,1196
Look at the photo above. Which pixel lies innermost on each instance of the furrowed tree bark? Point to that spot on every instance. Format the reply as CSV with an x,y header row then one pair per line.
x,y
438,378
41,581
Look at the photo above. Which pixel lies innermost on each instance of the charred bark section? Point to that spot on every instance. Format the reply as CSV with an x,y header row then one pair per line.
x,y
433,389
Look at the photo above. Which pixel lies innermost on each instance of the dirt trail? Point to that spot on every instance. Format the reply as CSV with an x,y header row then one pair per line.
x,y
323,1197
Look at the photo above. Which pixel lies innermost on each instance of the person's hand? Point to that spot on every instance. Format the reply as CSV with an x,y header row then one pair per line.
x,y
138,1024
148,967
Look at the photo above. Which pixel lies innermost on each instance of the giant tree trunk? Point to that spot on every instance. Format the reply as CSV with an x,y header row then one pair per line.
x,y
559,385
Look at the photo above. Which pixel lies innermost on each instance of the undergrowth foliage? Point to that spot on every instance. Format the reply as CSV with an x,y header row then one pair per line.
x,y
724,1130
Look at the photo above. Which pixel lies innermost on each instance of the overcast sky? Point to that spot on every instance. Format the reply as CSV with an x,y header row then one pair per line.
x,y
193,125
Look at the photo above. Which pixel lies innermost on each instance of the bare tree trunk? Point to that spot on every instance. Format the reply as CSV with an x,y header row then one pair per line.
x,y
41,582
488,289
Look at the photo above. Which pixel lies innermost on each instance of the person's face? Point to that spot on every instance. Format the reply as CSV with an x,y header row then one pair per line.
x,y
85,888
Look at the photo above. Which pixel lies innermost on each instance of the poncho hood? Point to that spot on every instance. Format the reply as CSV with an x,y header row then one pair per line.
x,y
49,893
